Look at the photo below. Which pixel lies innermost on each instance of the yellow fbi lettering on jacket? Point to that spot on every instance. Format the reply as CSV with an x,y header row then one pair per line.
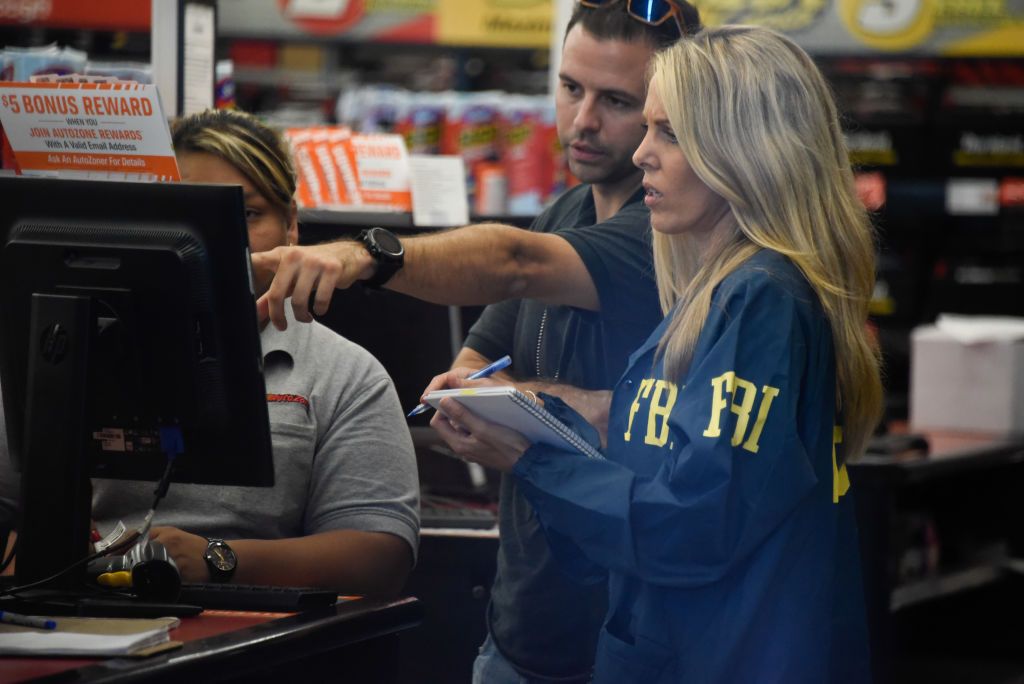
x,y
729,391
742,397
660,396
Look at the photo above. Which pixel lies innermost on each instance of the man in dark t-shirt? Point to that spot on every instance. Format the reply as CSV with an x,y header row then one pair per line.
x,y
570,299
534,605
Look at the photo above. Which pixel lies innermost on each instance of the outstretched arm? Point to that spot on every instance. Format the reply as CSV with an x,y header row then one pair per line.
x,y
477,264
352,561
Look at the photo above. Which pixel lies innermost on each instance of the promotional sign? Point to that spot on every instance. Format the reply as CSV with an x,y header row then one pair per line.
x,y
976,28
491,23
929,27
381,169
1011,192
393,21
108,15
989,149
438,190
88,130
337,169
323,17
494,23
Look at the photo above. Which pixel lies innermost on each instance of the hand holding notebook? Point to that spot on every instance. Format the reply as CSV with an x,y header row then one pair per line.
x,y
486,372
511,408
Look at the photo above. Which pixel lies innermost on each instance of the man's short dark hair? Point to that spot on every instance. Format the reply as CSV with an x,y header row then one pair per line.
x,y
611,21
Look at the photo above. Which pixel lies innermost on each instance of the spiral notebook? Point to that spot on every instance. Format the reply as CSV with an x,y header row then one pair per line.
x,y
509,407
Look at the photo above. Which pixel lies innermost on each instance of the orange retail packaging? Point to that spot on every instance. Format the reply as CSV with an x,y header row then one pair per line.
x,y
337,169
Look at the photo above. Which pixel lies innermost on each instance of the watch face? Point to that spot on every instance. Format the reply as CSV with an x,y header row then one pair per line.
x,y
387,241
222,557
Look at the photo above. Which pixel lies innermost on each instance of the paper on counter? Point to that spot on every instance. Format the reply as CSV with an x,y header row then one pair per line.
x,y
76,636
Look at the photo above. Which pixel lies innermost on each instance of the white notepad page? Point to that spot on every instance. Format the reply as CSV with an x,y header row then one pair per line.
x,y
509,407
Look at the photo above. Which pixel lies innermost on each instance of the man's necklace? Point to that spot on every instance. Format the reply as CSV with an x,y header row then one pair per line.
x,y
540,341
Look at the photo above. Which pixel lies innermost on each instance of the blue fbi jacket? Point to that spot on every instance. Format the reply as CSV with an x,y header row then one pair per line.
x,y
721,514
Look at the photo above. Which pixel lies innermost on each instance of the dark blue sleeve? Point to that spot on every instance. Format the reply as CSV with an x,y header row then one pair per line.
x,y
568,415
711,499
571,558
617,254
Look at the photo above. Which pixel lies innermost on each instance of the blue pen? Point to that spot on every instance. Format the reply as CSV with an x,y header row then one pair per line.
x,y
10,618
489,370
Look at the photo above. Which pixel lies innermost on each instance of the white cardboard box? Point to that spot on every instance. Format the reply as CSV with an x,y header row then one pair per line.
x,y
969,386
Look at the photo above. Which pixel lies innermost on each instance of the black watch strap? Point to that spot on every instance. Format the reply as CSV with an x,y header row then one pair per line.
x,y
386,249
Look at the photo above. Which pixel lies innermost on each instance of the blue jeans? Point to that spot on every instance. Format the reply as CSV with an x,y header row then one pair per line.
x,y
490,667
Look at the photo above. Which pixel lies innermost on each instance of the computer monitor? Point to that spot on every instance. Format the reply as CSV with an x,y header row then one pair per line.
x,y
125,308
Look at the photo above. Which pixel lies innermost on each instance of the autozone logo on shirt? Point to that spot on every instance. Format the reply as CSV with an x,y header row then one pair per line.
x,y
288,399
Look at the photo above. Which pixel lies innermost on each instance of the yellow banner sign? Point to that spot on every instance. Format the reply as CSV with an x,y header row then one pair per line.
x,y
494,23
935,27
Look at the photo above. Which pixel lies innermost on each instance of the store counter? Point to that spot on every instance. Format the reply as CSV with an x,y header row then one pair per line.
x,y
935,524
357,638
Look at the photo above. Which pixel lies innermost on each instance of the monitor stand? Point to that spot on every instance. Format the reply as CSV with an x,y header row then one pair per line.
x,y
56,492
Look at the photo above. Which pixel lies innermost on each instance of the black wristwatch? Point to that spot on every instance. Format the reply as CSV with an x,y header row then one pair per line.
x,y
220,560
386,249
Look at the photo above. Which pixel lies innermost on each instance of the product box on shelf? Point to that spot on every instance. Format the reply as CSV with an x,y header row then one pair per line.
x,y
967,374
508,143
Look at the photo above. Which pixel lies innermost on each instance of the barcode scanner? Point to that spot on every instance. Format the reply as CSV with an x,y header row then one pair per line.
x,y
147,570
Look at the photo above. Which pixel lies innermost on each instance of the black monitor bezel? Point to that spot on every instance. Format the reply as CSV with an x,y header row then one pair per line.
x,y
238,453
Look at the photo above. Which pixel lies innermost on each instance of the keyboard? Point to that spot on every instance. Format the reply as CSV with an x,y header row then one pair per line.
x,y
463,517
260,598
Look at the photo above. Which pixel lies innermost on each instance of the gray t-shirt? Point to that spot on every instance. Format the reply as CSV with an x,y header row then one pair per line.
x,y
343,457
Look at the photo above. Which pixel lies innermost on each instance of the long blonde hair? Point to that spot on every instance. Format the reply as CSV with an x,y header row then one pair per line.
x,y
758,124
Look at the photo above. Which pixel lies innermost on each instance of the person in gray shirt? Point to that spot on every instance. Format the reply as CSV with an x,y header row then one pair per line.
x,y
343,512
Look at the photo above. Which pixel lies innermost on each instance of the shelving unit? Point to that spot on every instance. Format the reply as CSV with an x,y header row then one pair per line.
x,y
947,584
967,487
411,66
318,83
327,224
907,118
329,221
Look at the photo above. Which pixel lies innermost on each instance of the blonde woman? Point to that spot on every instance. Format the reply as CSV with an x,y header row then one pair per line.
x,y
721,514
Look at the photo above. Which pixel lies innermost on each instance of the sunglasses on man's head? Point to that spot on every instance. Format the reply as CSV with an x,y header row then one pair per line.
x,y
652,12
